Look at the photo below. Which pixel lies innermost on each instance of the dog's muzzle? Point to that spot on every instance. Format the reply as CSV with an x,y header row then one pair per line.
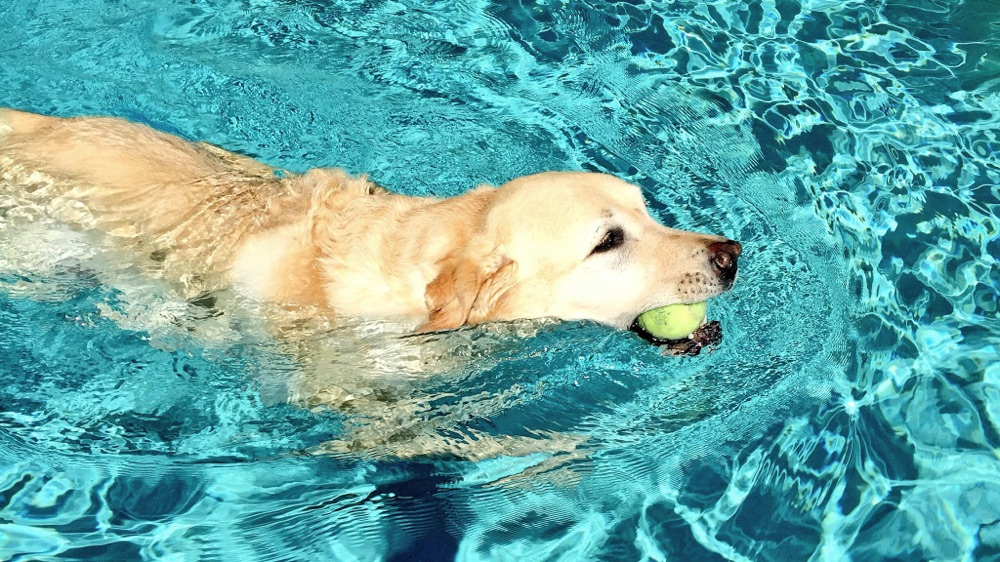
x,y
723,256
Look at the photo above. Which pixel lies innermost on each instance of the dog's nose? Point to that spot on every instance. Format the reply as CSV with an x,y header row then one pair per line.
x,y
723,256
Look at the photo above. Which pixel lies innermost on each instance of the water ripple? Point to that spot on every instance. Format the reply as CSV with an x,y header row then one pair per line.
x,y
852,410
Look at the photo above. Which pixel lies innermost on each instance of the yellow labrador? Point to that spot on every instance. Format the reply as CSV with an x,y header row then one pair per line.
x,y
566,245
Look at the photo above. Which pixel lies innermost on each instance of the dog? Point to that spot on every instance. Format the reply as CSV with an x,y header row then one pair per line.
x,y
564,245
204,222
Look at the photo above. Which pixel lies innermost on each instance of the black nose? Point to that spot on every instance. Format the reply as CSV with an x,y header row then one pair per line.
x,y
723,256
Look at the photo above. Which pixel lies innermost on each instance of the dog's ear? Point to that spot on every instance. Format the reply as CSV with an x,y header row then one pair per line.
x,y
467,291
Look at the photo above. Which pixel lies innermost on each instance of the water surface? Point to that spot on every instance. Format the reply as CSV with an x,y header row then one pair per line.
x,y
852,410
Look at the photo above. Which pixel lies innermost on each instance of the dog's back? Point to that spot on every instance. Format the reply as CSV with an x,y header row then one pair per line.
x,y
184,206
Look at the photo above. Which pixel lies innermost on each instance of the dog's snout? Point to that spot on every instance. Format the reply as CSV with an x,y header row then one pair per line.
x,y
723,256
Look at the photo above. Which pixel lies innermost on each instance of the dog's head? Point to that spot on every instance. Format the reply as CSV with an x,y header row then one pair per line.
x,y
575,246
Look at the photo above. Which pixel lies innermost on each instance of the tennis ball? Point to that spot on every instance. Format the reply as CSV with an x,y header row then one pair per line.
x,y
673,322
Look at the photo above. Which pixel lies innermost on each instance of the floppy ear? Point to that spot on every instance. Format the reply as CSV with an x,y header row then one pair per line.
x,y
467,291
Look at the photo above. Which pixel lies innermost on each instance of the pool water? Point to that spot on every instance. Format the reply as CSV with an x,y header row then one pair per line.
x,y
852,410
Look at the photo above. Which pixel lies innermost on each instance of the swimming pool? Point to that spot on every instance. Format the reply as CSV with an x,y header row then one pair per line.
x,y
852,410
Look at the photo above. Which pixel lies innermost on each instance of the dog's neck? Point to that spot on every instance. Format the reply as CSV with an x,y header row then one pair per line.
x,y
360,250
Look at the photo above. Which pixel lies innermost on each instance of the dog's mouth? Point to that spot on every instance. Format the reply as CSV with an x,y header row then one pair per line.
x,y
689,318
706,336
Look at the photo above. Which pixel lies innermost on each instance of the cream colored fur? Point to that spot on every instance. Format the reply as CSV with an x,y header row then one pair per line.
x,y
205,219
201,220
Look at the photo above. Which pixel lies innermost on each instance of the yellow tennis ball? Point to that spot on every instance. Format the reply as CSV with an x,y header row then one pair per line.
x,y
673,322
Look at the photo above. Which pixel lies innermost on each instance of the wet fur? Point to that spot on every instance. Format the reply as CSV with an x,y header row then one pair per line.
x,y
206,219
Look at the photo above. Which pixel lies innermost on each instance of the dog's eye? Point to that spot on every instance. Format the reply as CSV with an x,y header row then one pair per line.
x,y
613,239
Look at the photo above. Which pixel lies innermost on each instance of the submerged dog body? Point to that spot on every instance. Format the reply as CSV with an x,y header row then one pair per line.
x,y
568,245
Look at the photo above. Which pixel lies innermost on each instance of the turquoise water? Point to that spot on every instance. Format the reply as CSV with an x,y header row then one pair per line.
x,y
851,412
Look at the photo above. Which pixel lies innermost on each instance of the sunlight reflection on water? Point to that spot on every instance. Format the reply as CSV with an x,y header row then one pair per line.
x,y
852,409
